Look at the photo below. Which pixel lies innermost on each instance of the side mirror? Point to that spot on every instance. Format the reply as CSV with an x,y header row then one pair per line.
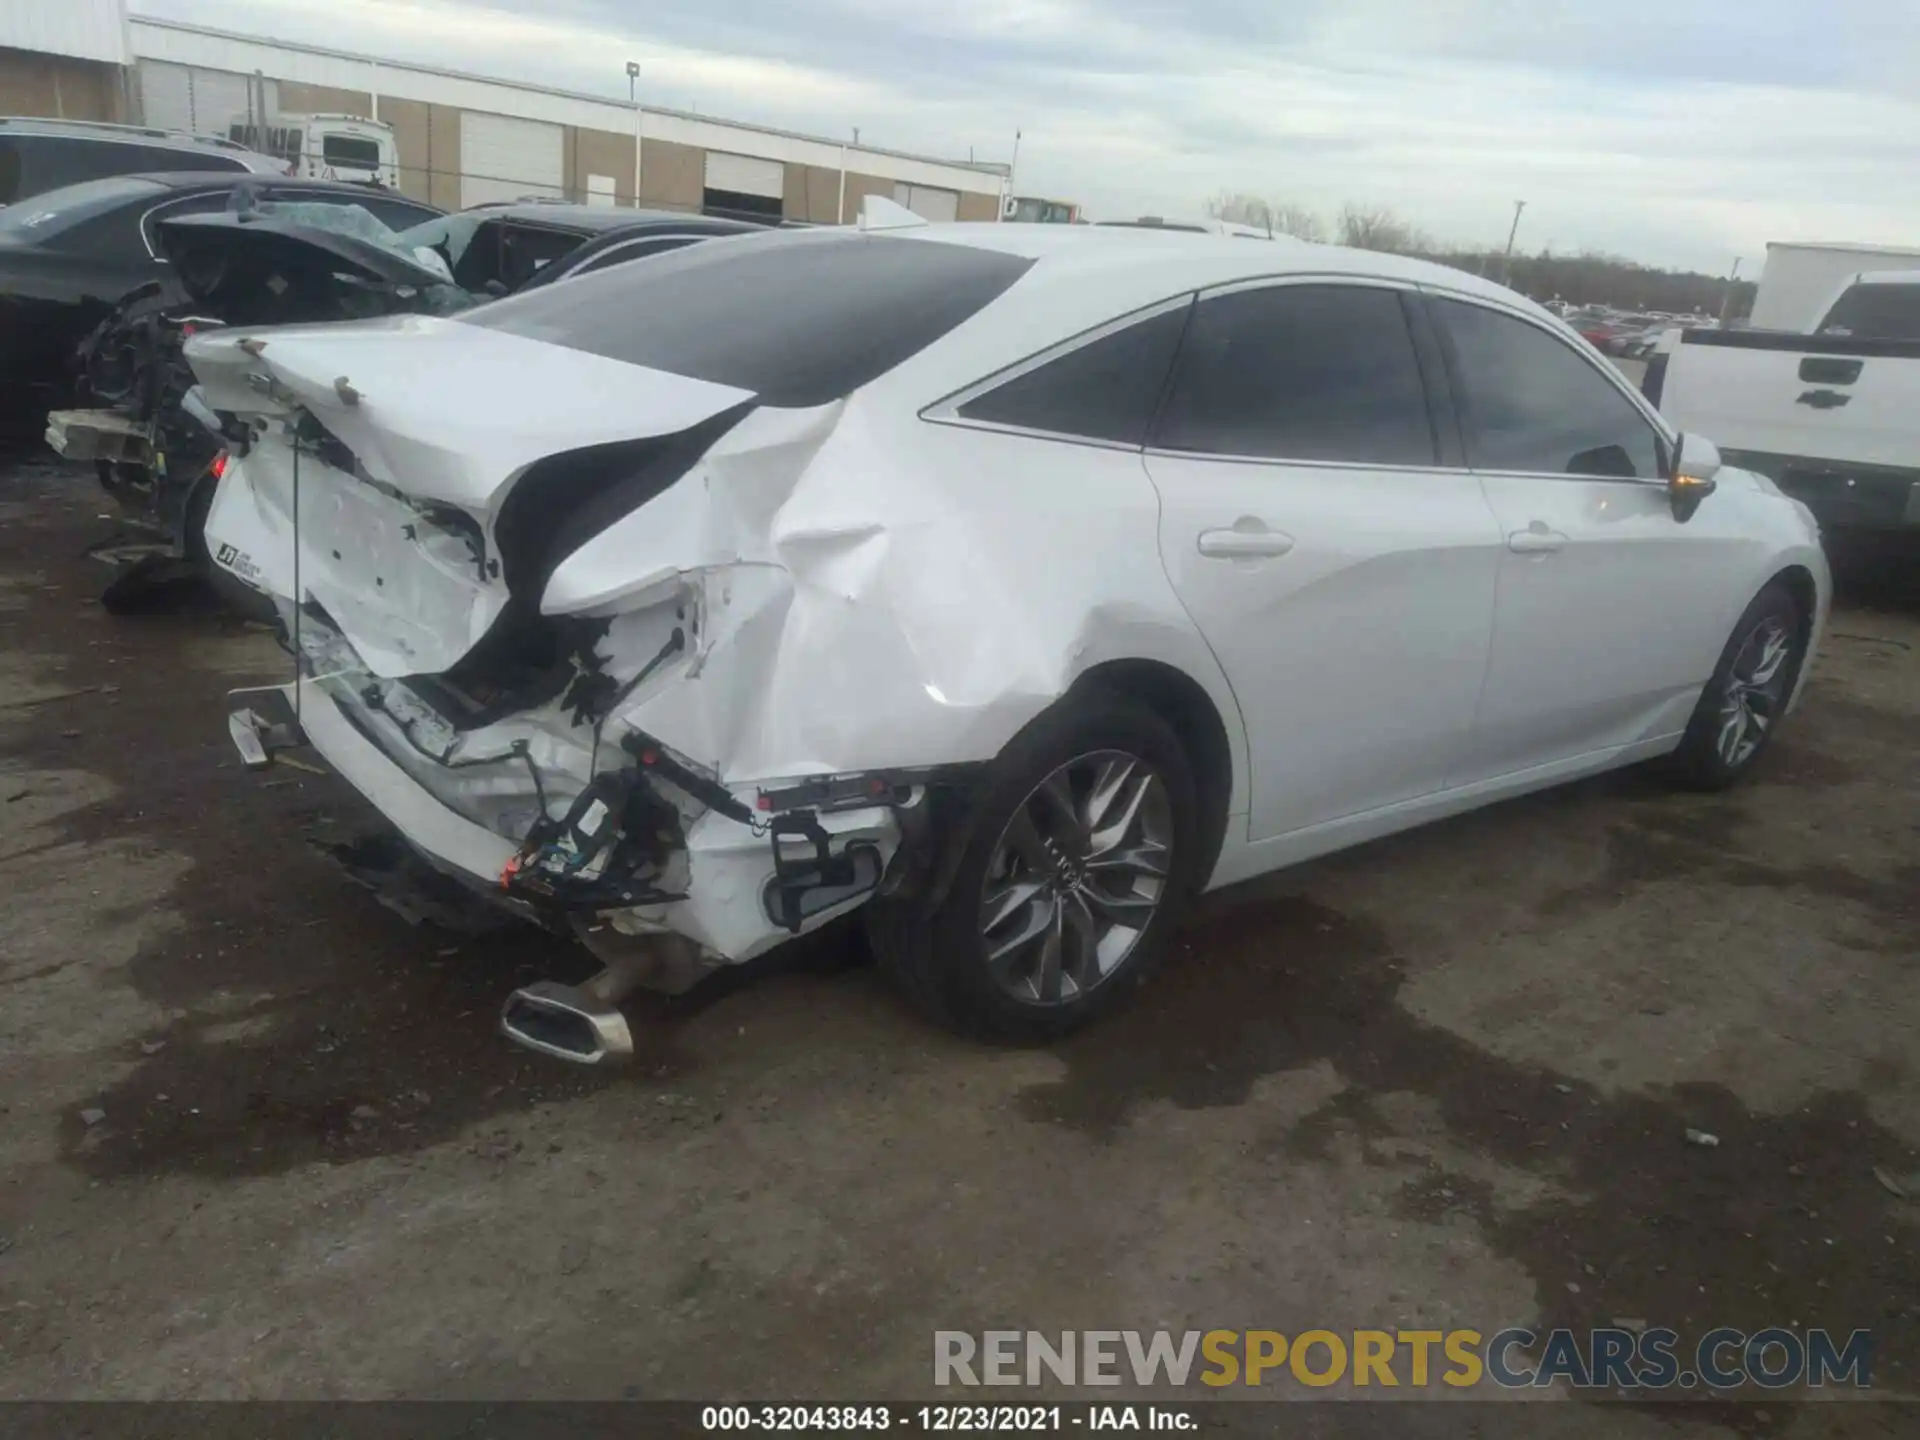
x,y
1695,463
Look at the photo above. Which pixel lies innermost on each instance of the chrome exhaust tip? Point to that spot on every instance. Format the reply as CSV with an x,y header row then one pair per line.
x,y
567,1022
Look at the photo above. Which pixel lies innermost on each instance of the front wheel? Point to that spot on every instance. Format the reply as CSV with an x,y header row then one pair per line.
x,y
1077,864
1747,696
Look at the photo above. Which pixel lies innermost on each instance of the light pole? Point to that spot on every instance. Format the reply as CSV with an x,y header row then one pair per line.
x,y
633,99
1506,260
1726,301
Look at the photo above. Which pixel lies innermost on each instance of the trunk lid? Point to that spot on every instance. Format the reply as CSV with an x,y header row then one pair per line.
x,y
413,431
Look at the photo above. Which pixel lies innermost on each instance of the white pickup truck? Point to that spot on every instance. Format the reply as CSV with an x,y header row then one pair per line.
x,y
1832,417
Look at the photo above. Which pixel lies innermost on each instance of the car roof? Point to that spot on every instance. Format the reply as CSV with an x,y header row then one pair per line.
x,y
1887,277
568,215
231,179
1166,261
151,136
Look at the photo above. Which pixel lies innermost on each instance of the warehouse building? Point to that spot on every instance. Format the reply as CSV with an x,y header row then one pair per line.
x,y
462,139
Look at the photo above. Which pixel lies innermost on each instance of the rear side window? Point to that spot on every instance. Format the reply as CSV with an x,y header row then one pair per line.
x,y
1300,372
55,221
798,318
1103,390
1876,312
1530,402
49,162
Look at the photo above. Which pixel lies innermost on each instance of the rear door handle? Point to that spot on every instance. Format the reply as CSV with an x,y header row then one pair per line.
x,y
1248,539
1824,399
1536,539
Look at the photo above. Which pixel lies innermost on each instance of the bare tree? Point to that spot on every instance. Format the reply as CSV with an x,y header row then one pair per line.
x,y
1281,217
1373,228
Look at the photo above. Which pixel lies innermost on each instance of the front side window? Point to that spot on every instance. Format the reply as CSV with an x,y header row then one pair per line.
x,y
1529,402
1300,372
1103,390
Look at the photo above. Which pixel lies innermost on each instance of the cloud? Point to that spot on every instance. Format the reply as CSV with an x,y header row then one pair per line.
x,y
1675,131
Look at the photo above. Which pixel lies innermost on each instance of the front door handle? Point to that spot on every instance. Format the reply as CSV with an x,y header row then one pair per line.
x,y
1248,539
1536,539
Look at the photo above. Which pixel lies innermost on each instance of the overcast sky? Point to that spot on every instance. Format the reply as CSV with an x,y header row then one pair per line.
x,y
1678,132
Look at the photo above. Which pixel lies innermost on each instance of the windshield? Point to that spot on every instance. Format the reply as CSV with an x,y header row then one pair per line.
x,y
351,151
57,211
798,318
1876,312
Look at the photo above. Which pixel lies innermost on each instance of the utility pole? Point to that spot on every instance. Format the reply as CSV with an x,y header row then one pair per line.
x,y
633,99
1506,260
1726,301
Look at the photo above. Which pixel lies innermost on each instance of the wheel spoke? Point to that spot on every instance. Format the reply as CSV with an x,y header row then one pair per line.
x,y
1147,859
1120,821
1000,906
1023,838
1773,655
1128,909
1732,731
1107,787
1046,979
1080,942
1003,951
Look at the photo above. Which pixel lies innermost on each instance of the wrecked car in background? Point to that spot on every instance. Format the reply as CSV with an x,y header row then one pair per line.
x,y
69,255
263,263
1013,582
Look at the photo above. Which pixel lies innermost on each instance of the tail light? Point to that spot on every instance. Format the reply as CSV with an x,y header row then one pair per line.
x,y
219,466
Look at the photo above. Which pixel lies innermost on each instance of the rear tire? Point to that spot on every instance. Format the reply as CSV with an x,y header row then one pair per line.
x,y
1746,698
1077,861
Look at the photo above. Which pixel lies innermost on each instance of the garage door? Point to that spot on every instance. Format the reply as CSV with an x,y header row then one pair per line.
x,y
746,175
202,102
502,158
927,202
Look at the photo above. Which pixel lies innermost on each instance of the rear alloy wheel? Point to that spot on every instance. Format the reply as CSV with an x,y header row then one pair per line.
x,y
1746,698
1076,877
1076,862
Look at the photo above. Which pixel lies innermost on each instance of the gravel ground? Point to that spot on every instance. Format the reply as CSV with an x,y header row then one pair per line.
x,y
258,1136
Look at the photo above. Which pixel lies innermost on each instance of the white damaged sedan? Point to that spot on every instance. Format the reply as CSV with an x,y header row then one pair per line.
x,y
1016,582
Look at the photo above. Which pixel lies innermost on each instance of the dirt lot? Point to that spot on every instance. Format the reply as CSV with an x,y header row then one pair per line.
x,y
258,1136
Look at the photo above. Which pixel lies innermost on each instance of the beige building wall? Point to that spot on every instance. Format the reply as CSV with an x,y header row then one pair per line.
x,y
443,156
859,187
56,87
599,152
412,124
978,207
299,99
672,177
812,193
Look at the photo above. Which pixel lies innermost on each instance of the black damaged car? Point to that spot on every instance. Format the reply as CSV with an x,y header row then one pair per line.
x,y
68,256
268,263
